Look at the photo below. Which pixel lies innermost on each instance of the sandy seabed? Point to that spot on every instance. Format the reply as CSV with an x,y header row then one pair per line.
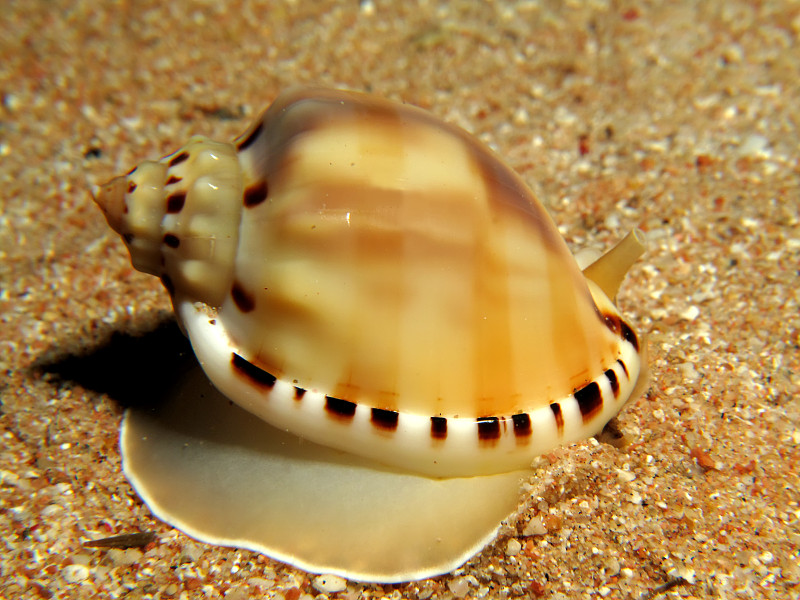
x,y
677,117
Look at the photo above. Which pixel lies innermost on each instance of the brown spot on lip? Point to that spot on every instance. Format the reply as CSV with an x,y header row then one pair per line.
x,y
255,194
172,240
629,335
243,300
621,328
624,368
556,408
384,419
173,179
438,428
251,137
590,400
178,158
339,408
299,393
612,322
131,186
612,379
175,202
255,374
488,429
522,425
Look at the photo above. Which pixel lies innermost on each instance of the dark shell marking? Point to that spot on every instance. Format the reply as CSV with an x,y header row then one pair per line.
x,y
253,373
178,159
255,194
251,137
340,408
490,429
175,202
622,329
243,300
438,428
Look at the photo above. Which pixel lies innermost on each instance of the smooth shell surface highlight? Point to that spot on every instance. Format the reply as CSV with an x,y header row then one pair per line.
x,y
372,279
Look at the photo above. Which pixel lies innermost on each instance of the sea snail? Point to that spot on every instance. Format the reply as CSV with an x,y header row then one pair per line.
x,y
372,279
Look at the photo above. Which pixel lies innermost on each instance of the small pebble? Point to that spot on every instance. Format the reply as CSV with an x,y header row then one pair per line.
x,y
190,553
124,558
513,547
535,527
329,584
458,586
75,573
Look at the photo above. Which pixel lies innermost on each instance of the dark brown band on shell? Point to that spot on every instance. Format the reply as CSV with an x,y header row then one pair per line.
x,y
590,400
556,408
299,393
384,419
253,373
438,428
243,300
173,179
172,240
339,408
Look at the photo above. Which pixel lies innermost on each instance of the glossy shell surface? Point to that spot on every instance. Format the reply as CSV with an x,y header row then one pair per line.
x,y
372,279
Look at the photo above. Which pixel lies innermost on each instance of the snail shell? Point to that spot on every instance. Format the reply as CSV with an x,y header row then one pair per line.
x,y
375,280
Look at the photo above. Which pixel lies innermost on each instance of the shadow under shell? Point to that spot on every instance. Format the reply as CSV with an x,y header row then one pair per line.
x,y
223,476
